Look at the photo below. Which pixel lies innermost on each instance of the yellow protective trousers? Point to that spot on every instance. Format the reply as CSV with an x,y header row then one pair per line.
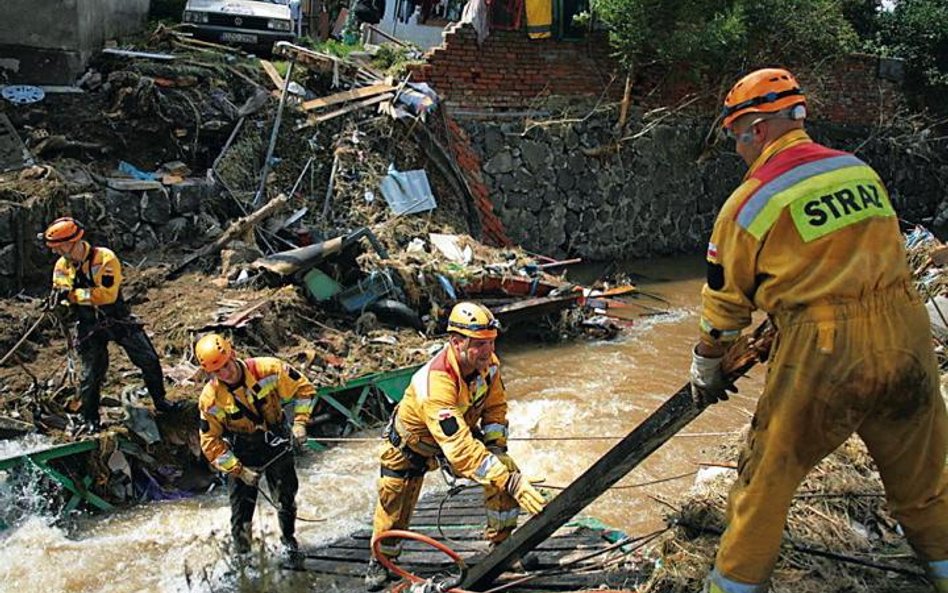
x,y
861,366
398,496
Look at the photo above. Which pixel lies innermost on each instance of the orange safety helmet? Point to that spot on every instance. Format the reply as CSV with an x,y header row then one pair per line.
x,y
763,91
213,351
474,321
63,230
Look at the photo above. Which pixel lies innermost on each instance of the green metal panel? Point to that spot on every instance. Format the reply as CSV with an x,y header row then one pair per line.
x,y
40,459
321,286
391,383
54,452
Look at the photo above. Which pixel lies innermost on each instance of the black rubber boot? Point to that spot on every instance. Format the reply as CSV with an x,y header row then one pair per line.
x,y
376,576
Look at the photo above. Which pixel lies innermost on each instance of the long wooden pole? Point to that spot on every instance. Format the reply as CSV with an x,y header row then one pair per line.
x,y
676,413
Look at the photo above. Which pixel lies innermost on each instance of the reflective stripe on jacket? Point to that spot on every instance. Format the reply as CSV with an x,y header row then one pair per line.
x,y
440,408
825,209
256,405
95,282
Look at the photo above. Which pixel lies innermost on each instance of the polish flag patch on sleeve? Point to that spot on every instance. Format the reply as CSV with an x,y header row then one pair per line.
x,y
712,251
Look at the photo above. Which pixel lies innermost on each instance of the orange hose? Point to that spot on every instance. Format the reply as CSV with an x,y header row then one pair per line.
x,y
411,578
394,568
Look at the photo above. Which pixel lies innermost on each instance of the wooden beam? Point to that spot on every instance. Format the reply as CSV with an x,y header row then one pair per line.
x,y
315,119
271,71
344,96
676,413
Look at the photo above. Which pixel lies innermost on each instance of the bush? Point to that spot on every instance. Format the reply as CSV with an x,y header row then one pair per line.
x,y
917,31
726,37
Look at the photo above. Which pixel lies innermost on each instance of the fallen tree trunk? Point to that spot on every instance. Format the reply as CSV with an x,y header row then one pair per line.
x,y
235,230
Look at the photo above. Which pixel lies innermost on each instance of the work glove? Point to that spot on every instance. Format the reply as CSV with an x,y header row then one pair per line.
x,y
299,437
56,299
708,384
248,476
528,497
504,457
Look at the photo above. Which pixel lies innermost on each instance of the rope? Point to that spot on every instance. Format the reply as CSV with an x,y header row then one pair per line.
x,y
536,439
562,569
450,493
23,339
630,486
639,542
266,496
817,552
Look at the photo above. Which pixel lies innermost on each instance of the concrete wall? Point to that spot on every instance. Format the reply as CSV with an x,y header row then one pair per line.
x,y
50,41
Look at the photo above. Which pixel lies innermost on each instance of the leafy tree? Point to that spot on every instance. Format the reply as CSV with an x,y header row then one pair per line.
x,y
797,31
917,31
645,32
726,36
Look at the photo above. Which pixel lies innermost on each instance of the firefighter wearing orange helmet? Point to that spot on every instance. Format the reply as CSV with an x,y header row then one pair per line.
x,y
243,434
455,408
89,280
811,238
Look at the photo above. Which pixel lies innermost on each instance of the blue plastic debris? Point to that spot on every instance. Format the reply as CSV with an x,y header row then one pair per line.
x,y
407,192
23,94
447,286
136,173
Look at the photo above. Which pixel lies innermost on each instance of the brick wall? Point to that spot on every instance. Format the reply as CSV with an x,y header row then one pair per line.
x,y
858,89
511,71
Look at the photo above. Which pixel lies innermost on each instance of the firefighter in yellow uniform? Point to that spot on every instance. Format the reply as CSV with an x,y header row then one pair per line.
x,y
811,238
455,408
88,280
243,434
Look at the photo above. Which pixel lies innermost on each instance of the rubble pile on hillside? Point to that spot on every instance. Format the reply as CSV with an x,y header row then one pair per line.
x,y
317,219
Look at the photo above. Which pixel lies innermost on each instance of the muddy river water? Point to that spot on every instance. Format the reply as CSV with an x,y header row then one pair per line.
x,y
600,389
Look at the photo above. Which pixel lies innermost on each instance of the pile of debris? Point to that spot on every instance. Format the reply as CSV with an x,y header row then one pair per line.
x,y
928,260
306,208
839,537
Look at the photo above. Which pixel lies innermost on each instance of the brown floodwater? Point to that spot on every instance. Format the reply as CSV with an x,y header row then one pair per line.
x,y
580,389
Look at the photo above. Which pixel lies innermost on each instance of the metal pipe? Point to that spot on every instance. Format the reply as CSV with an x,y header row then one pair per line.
x,y
258,199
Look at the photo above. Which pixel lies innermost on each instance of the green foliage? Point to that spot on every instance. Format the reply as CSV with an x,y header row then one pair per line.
x,y
332,47
726,35
917,31
798,31
393,60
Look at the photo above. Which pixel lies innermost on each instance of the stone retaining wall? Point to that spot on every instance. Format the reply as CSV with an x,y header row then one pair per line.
x,y
563,190
128,217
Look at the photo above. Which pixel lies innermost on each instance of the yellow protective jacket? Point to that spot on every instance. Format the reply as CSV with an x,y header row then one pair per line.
x,y
440,408
95,282
808,225
256,405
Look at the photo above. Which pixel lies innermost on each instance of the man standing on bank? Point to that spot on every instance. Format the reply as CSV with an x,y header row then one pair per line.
x,y
811,238
243,433
455,407
88,280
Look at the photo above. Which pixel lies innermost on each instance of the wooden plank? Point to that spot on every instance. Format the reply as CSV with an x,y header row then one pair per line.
x,y
359,93
431,558
271,71
677,412
582,544
348,108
